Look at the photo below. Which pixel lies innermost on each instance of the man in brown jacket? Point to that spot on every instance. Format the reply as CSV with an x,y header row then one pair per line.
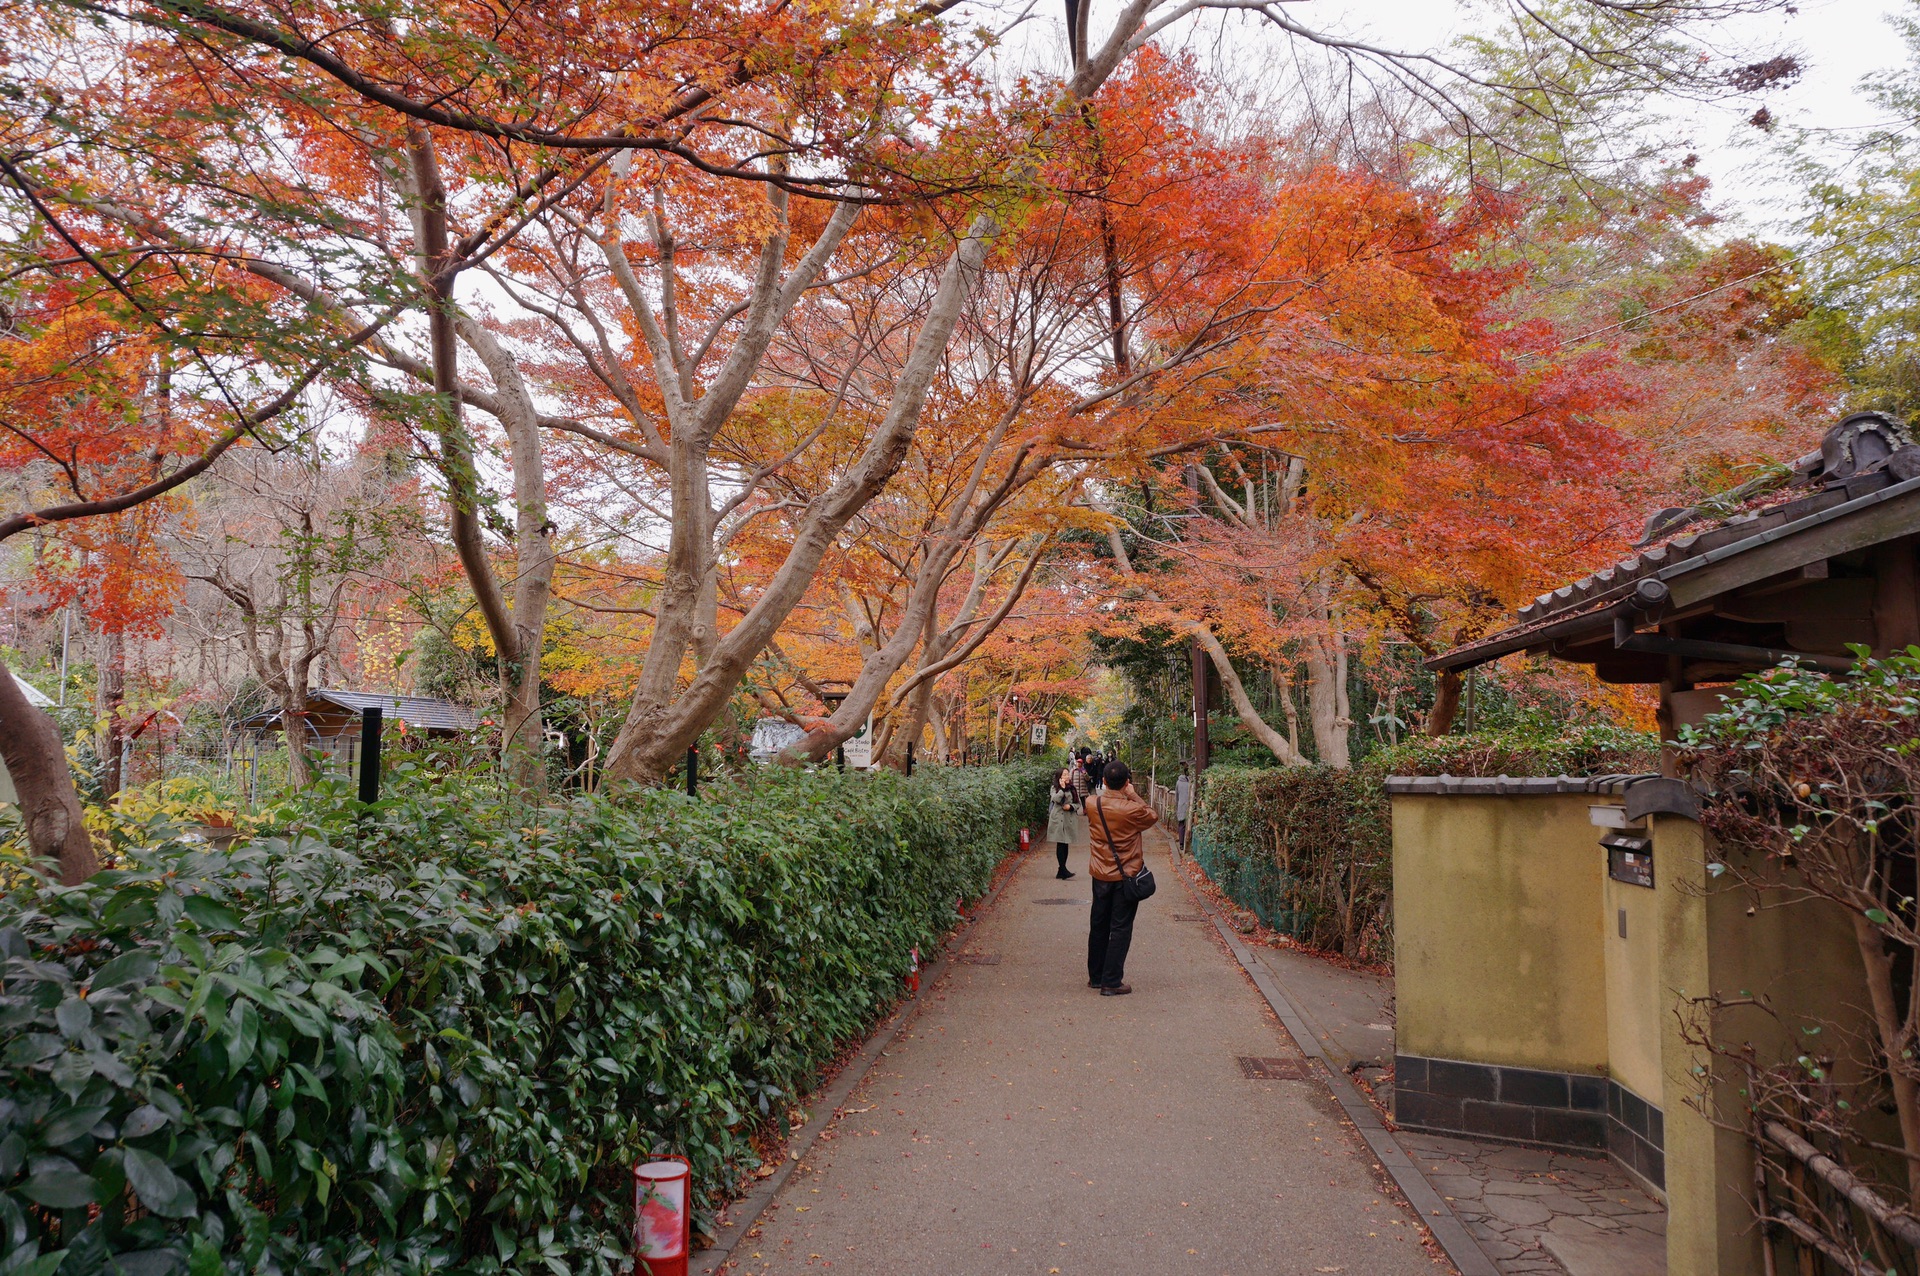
x,y
1116,817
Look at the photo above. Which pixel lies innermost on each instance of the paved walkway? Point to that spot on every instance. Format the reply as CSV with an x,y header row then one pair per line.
x,y
1534,1212
1024,1123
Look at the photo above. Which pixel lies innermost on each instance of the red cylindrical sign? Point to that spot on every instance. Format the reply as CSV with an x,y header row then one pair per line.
x,y
1026,839
662,1216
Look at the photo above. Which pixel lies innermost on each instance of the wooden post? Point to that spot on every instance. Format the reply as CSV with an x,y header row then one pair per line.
x,y
370,755
693,770
1896,597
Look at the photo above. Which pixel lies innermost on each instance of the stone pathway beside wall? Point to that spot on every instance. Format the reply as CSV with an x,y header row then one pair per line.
x,y
1534,1212
1539,1212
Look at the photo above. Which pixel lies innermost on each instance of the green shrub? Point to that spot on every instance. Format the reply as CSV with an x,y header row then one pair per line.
x,y
436,1036
1310,849
1589,750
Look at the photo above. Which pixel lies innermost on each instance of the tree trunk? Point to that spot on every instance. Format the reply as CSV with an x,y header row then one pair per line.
x,y
913,715
1446,704
1283,684
49,805
1894,1042
661,724
942,745
523,731
108,705
293,725
1229,678
1326,682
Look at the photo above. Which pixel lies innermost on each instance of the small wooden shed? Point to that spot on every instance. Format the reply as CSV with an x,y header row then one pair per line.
x,y
333,719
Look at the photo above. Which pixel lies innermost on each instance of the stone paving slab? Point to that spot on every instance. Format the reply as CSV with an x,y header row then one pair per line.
x,y
1540,1211
1023,1123
1534,1212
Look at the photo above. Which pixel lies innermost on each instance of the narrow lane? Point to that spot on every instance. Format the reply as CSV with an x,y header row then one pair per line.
x,y
1024,1123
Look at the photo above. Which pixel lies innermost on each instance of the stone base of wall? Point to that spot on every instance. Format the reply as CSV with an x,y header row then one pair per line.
x,y
1524,1105
1636,1136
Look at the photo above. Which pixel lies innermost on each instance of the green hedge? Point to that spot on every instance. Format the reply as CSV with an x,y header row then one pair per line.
x,y
437,1037
1588,750
1310,849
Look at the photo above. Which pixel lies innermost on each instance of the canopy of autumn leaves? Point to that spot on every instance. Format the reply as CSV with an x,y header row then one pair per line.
x,y
804,322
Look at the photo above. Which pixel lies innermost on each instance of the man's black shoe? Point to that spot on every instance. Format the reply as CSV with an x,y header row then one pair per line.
x,y
1119,990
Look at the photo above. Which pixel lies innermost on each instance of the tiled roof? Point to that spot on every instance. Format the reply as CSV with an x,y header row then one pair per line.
x,y
1508,785
1861,457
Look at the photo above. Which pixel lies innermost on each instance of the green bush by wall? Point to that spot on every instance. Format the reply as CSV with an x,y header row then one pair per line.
x,y
1310,849
437,1037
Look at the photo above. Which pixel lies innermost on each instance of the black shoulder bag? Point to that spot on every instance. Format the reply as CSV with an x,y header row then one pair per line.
x,y
1141,885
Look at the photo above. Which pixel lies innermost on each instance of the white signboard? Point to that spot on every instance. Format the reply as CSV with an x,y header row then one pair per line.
x,y
1039,733
772,737
860,748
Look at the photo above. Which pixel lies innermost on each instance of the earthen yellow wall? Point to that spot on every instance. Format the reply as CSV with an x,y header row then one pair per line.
x,y
1719,937
1498,940
1634,995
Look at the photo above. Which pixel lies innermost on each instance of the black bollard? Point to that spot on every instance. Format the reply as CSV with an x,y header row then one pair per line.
x,y
370,755
693,770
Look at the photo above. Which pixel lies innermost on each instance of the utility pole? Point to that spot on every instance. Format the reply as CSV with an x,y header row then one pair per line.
x,y
1202,666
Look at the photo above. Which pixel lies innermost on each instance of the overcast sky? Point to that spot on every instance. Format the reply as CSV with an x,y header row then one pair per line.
x,y
1838,41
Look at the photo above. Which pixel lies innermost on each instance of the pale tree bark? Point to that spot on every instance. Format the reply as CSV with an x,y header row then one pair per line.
x,y
516,627
664,719
283,663
1327,679
968,519
289,612
914,715
49,804
1283,683
942,647
942,747
110,694
1243,705
522,727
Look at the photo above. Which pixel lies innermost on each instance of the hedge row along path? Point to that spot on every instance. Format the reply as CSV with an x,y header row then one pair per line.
x,y
1023,1123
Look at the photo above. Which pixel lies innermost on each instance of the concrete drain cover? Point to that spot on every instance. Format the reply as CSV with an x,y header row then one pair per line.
x,y
1057,900
979,959
1273,1069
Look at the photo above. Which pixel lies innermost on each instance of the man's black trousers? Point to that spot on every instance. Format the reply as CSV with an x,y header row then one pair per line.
x,y
1109,934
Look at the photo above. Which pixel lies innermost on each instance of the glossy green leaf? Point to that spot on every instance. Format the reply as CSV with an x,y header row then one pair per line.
x,y
59,1189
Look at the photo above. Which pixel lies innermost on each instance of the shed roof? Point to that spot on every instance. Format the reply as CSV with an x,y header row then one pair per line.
x,y
36,697
422,713
425,713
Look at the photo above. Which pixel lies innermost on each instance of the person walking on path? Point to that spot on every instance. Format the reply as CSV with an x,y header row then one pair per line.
x,y
1066,822
1082,782
1116,817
